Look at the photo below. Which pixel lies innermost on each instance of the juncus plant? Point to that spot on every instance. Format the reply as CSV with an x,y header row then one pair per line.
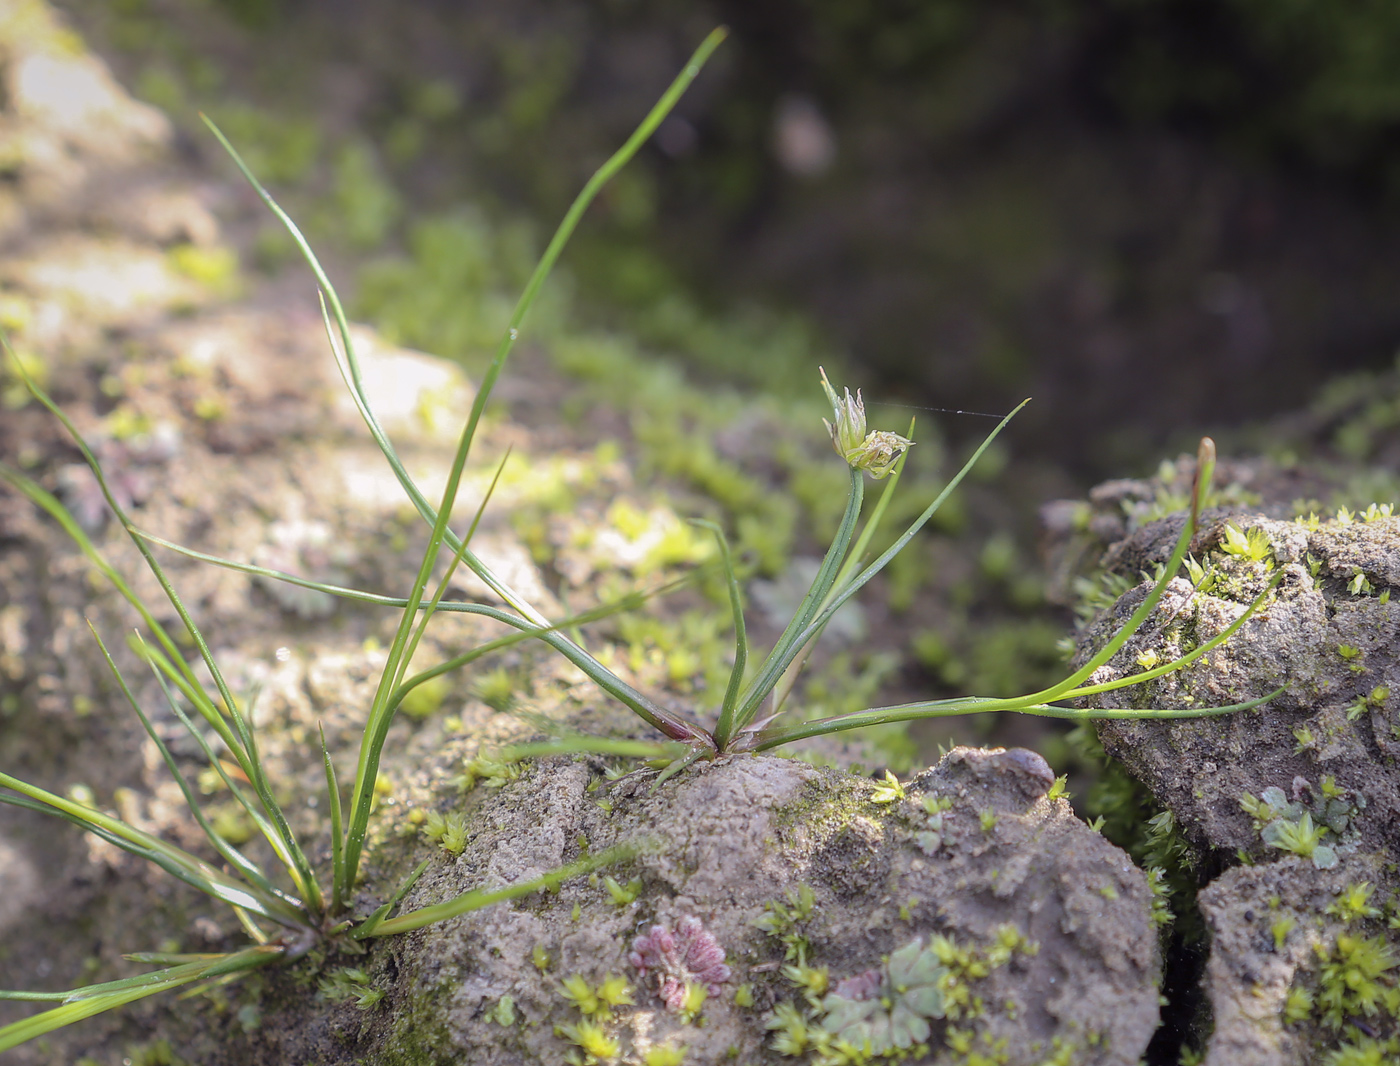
x,y
289,913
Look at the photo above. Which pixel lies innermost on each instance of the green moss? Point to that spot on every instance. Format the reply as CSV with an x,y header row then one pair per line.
x,y
349,983
426,699
596,1002
622,895
216,268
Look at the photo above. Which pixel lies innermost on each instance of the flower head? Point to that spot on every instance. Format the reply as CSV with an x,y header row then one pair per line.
x,y
686,955
875,453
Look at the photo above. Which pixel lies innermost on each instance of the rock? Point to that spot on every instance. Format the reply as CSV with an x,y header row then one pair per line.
x,y
1306,787
728,843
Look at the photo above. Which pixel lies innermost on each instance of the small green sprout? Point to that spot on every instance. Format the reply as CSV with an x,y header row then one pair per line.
x,y
781,920
1352,654
349,983
1280,930
664,1055
1298,1005
743,995
1375,512
1345,516
692,1002
1161,911
1354,903
491,772
496,688
503,1013
890,792
1148,659
987,818
794,1032
622,895
592,1041
937,804
1254,545
1377,698
1360,584
1303,734
1302,838
598,1002
812,981
1059,790
1269,805
1354,979
540,957
1203,578
448,833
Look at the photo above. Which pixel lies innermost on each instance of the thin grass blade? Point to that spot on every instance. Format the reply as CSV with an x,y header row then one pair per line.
x,y
370,924
724,728
95,999
230,854
791,641
1204,470
174,860
337,838
909,712
582,744
299,868
855,584
479,898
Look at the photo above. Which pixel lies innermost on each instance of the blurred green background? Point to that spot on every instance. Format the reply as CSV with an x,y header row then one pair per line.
x,y
1154,216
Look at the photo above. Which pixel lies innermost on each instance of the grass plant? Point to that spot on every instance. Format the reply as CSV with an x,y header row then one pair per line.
x,y
290,913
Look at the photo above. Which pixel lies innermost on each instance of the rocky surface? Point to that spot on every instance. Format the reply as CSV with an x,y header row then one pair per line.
x,y
1303,791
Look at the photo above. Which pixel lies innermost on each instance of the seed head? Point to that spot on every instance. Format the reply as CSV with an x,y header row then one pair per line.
x,y
875,453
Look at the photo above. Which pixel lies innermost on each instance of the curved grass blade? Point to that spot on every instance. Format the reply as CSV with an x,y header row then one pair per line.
x,y
1184,660
174,860
547,632
299,867
49,503
908,712
230,854
478,898
95,999
552,252
1205,467
370,924
161,666
1032,704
